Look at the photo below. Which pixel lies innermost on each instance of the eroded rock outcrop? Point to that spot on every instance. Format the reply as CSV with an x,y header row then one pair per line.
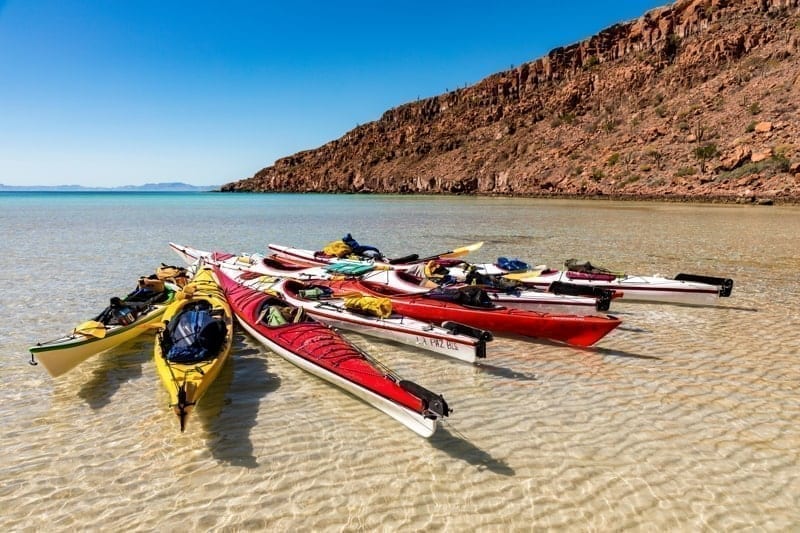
x,y
661,107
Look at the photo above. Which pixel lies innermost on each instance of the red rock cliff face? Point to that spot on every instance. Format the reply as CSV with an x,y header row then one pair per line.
x,y
696,100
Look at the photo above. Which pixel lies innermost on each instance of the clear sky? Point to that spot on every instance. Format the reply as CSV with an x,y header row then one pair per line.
x,y
108,93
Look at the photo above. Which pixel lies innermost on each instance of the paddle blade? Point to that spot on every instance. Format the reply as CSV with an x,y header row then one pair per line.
x,y
521,276
464,250
91,328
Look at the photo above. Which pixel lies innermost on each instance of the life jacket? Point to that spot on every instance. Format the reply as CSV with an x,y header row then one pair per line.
x,y
435,271
153,284
177,275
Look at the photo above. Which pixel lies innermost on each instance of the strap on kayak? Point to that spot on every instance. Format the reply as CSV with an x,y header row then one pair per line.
x,y
463,329
33,362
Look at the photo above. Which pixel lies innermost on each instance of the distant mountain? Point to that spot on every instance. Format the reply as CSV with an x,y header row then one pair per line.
x,y
147,187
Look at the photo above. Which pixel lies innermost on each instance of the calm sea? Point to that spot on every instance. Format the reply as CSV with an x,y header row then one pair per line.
x,y
684,419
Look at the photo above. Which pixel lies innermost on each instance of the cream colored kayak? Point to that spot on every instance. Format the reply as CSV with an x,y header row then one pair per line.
x,y
122,321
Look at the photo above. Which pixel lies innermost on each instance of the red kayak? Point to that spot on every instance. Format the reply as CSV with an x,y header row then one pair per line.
x,y
571,329
318,349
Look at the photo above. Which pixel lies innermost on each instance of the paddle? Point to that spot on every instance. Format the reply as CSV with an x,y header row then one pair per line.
x,y
521,276
91,328
456,252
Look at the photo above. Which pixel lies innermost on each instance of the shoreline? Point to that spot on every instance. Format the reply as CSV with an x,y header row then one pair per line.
x,y
673,198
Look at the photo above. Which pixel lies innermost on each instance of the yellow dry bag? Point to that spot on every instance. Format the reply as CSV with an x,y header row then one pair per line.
x,y
369,305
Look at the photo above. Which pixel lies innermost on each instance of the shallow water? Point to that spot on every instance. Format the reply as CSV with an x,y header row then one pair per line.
x,y
684,418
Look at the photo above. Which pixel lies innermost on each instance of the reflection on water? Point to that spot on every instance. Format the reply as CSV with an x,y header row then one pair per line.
x,y
684,418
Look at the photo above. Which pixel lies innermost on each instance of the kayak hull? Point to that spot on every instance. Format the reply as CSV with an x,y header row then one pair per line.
x,y
652,289
268,266
300,256
396,327
422,426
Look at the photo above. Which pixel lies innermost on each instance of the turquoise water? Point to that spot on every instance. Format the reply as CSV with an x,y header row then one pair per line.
x,y
683,419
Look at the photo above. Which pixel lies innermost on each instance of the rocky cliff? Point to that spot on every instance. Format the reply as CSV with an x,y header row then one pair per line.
x,y
695,100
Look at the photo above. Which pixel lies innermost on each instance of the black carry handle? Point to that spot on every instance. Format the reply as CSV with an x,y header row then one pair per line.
x,y
725,284
432,401
463,329
572,289
604,299
603,296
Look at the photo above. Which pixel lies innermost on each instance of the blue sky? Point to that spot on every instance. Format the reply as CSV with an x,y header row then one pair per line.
x,y
107,93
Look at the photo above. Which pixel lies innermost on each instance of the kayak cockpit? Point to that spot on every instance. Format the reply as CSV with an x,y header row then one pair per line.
x,y
195,334
275,313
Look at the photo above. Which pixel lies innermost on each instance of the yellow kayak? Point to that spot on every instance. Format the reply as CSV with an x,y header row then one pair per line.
x,y
194,342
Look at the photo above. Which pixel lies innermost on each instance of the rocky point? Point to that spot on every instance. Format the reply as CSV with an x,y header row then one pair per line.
x,y
697,100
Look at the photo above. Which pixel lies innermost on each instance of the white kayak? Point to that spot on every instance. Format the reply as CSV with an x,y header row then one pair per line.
x,y
267,265
683,289
319,258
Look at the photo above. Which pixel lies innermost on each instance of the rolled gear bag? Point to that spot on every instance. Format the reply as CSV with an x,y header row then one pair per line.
x,y
369,305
